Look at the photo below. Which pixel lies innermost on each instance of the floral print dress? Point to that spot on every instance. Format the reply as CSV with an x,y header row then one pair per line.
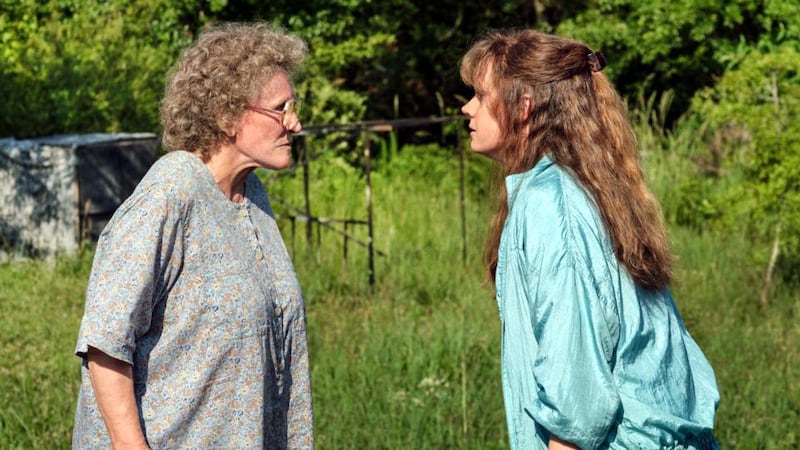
x,y
200,296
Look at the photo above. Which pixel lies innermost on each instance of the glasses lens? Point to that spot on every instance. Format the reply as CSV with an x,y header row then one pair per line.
x,y
290,106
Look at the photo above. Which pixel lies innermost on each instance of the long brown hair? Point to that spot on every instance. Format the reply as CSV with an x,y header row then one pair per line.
x,y
579,119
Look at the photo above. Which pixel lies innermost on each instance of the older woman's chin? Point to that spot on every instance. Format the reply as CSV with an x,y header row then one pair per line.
x,y
278,163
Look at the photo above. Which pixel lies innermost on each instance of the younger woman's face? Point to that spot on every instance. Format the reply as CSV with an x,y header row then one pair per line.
x,y
484,130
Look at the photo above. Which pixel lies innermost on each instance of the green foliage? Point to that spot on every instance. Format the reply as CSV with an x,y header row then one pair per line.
x,y
90,66
682,176
70,66
338,41
79,67
751,348
752,114
682,46
387,50
40,310
382,59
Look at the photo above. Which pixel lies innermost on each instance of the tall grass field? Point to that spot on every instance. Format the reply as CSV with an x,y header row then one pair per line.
x,y
413,361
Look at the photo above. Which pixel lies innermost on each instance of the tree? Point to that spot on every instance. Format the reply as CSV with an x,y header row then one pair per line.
x,y
758,99
398,57
89,66
682,46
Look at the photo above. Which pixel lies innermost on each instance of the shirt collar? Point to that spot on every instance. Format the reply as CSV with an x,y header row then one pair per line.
x,y
514,181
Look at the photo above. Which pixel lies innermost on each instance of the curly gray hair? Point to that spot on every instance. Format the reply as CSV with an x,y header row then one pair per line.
x,y
213,81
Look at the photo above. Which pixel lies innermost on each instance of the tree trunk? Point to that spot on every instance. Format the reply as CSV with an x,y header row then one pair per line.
x,y
771,266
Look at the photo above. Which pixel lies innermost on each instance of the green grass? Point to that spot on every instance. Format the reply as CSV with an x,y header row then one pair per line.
x,y
413,361
755,350
40,310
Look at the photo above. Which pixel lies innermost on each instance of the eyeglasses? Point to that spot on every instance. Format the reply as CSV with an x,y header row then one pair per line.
x,y
292,106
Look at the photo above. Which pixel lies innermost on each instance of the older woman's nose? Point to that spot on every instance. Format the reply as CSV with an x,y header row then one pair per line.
x,y
295,126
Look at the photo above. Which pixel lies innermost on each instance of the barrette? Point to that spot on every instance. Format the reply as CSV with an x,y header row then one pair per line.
x,y
596,61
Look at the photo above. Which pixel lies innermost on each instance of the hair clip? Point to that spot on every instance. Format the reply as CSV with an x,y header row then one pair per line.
x,y
596,61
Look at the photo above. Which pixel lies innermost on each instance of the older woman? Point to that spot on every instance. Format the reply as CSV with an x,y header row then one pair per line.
x,y
194,328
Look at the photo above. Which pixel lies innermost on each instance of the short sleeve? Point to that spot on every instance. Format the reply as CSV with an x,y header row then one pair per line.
x,y
137,257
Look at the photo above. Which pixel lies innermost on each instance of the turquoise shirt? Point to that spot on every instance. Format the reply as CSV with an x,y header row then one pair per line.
x,y
587,354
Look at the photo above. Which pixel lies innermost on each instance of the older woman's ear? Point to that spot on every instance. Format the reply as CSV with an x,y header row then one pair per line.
x,y
227,126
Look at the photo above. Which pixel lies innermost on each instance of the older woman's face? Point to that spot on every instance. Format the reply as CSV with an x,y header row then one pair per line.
x,y
264,133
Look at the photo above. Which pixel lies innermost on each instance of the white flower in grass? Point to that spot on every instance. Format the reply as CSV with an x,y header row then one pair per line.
x,y
400,396
433,386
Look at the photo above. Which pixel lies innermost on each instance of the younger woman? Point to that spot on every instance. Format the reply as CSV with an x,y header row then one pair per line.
x,y
595,354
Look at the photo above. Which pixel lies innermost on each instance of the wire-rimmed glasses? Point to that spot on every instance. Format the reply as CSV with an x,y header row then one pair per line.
x,y
290,107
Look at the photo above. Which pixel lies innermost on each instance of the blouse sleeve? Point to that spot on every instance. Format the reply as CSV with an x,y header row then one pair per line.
x,y
573,323
577,398
132,269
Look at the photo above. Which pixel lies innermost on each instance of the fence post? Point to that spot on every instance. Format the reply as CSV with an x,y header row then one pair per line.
x,y
463,207
367,175
307,197
294,250
318,253
344,244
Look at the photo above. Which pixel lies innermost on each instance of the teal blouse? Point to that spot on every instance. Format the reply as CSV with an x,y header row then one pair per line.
x,y
588,355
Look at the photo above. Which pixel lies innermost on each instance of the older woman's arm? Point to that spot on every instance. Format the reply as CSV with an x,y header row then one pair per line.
x,y
112,381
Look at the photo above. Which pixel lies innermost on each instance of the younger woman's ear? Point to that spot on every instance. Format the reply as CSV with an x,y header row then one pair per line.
x,y
526,106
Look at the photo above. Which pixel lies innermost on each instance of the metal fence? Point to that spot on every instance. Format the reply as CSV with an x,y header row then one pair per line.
x,y
342,226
